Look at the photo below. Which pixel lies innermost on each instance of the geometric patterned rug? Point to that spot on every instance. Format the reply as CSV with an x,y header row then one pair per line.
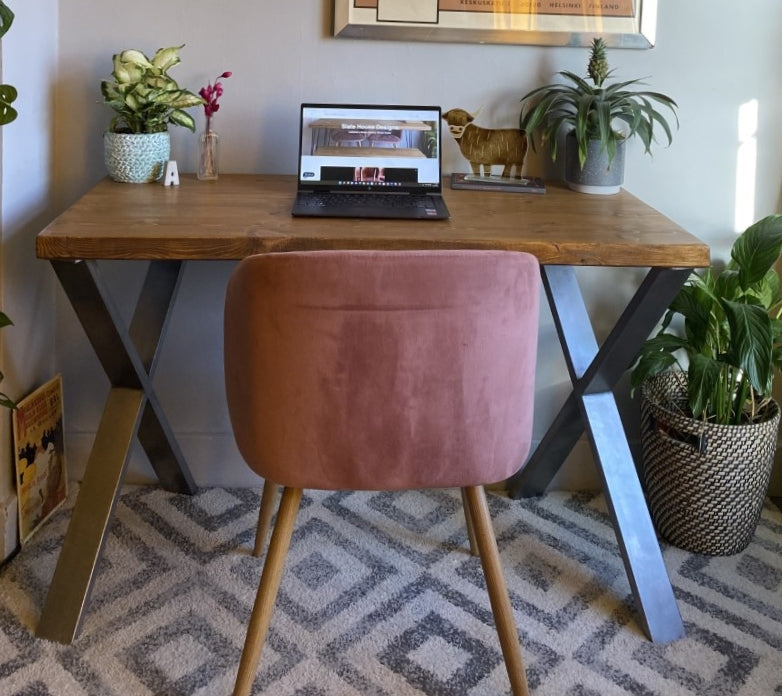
x,y
380,597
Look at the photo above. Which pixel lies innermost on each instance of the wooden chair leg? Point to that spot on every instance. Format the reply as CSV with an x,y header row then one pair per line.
x,y
264,516
470,529
267,591
498,590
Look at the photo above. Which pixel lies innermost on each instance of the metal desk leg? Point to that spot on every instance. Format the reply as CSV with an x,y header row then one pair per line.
x,y
129,358
592,406
590,369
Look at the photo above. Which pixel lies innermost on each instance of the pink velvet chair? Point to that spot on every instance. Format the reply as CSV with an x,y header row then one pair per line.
x,y
382,370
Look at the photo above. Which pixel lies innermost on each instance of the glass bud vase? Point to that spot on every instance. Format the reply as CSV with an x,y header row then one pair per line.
x,y
208,152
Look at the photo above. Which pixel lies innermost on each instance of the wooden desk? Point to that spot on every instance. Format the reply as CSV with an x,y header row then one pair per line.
x,y
241,215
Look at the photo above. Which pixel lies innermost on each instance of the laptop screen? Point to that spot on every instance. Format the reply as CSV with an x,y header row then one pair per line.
x,y
370,148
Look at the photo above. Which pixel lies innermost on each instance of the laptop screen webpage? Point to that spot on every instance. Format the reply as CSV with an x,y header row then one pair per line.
x,y
370,148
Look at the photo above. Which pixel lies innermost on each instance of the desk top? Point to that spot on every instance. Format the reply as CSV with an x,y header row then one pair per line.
x,y
244,214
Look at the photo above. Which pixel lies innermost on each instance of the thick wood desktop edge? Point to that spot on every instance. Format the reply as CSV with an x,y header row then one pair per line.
x,y
245,214
109,248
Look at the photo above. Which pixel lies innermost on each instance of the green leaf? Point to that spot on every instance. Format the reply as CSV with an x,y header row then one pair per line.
x,y
727,286
132,57
182,118
758,249
776,351
126,72
7,112
694,305
6,18
650,364
110,91
183,100
5,401
133,102
703,376
751,343
162,82
765,292
166,58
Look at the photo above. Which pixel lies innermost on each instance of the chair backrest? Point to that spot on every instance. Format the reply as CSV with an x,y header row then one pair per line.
x,y
382,370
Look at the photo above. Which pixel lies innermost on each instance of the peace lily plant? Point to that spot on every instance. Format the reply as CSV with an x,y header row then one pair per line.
x,y
731,335
144,96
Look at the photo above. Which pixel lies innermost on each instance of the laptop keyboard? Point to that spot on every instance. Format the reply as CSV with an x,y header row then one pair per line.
x,y
369,200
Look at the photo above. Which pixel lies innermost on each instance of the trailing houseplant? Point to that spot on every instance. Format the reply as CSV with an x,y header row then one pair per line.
x,y
597,116
8,93
709,424
146,100
7,114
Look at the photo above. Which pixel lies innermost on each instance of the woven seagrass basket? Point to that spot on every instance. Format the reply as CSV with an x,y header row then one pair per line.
x,y
705,483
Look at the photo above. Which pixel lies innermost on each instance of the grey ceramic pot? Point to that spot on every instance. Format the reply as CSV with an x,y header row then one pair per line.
x,y
597,176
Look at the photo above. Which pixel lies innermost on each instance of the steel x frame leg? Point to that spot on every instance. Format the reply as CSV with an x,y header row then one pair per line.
x,y
591,405
129,357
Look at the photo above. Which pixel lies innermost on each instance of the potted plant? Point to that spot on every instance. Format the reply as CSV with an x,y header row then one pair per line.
x,y
7,114
597,118
709,422
5,400
7,92
146,100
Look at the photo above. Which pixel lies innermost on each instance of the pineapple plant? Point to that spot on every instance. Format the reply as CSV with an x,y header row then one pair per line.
x,y
598,64
593,110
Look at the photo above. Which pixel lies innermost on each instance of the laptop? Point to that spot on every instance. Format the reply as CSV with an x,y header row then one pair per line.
x,y
370,161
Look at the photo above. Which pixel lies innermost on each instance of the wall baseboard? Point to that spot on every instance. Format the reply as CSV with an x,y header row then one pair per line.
x,y
9,528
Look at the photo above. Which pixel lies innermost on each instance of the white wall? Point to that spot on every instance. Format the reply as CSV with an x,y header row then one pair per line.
x,y
711,61
29,52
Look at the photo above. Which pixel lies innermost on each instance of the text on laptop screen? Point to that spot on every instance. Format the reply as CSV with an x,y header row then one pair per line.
x,y
370,147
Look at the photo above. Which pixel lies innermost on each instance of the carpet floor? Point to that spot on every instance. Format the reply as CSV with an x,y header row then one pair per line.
x,y
380,597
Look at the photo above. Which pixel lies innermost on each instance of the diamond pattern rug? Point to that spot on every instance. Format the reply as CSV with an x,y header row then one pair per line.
x,y
380,597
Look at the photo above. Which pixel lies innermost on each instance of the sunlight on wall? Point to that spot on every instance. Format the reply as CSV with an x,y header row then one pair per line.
x,y
746,162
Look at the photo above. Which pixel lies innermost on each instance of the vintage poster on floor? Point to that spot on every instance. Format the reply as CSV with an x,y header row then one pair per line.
x,y
39,452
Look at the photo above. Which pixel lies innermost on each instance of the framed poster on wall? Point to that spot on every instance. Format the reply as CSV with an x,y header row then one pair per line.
x,y
621,23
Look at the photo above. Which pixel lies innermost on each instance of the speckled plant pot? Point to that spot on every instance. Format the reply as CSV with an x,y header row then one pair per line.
x,y
136,158
596,176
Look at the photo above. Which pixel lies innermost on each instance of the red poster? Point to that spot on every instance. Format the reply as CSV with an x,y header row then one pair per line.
x,y
41,478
